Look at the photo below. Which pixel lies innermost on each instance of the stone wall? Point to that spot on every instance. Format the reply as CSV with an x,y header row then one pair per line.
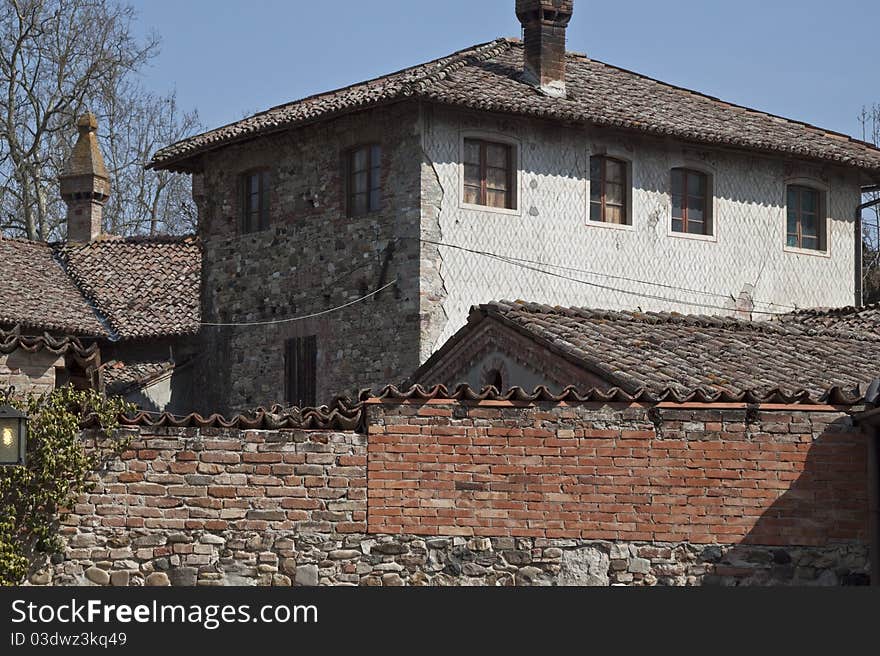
x,y
219,479
630,473
427,497
208,558
30,372
311,258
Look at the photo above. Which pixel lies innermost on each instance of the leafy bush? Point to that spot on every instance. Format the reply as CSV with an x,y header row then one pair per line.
x,y
59,468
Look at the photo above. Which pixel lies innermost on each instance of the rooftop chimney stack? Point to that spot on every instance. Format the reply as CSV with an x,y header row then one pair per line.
x,y
544,23
85,184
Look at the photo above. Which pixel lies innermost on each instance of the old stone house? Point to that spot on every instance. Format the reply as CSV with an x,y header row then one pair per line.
x,y
99,311
511,169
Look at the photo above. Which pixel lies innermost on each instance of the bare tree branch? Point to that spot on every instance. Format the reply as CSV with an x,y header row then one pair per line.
x,y
869,119
57,59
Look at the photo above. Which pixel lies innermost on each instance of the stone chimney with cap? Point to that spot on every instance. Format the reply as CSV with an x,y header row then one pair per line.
x,y
544,23
85,184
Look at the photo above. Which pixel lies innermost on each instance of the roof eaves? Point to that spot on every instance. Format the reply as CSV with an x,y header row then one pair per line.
x,y
189,148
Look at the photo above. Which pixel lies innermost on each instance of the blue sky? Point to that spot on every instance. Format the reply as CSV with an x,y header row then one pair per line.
x,y
811,60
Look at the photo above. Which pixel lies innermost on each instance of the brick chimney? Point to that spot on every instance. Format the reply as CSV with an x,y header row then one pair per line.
x,y
85,184
544,23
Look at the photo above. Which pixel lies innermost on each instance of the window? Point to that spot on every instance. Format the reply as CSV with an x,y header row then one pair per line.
x,y
806,221
301,366
364,180
489,174
608,190
255,201
690,202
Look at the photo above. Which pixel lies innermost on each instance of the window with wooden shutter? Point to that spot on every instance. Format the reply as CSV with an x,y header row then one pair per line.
x,y
364,180
301,365
255,201
805,225
608,190
489,174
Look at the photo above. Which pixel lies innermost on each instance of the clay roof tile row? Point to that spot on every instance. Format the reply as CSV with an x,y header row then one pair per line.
x,y
489,77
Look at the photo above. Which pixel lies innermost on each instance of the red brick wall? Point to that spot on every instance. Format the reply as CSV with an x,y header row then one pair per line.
x,y
782,476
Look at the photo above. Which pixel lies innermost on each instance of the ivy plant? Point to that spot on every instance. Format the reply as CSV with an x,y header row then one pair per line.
x,y
60,466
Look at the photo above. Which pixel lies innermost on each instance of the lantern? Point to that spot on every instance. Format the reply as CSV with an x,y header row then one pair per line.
x,y
13,436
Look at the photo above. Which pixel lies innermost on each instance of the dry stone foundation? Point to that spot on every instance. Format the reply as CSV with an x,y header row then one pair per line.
x,y
287,559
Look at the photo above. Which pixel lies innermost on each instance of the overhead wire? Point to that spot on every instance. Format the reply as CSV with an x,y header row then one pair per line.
x,y
304,317
535,266
529,265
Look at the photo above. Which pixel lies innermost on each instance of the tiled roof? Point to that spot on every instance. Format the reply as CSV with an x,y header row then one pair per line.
x,y
855,322
36,294
487,77
143,287
345,415
662,351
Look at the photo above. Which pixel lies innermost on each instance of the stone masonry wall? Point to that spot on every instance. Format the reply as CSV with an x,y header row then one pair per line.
x,y
702,475
311,258
222,507
29,372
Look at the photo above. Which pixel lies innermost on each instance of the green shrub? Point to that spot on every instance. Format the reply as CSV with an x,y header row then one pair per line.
x,y
58,469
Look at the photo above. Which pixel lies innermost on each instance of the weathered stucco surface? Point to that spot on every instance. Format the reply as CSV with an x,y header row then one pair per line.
x,y
550,227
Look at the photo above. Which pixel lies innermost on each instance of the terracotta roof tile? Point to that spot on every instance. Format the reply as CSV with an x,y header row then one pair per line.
x,y
339,416
541,394
13,340
666,351
36,294
855,322
343,414
487,77
143,287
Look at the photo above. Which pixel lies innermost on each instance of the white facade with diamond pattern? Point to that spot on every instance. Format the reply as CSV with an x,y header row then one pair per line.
x,y
563,259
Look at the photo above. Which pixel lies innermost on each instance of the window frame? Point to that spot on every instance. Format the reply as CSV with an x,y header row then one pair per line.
x,y
514,173
264,216
372,167
627,207
822,217
483,166
708,204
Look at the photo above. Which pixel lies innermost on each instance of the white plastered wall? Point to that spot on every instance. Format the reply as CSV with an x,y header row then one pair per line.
x,y
642,266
